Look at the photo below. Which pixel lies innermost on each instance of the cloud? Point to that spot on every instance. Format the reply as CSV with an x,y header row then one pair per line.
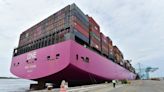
x,y
5,2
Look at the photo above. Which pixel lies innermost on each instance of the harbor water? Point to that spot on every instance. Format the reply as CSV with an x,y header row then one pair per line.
x,y
15,85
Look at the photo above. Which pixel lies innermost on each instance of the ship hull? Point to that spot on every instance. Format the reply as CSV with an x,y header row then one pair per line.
x,y
68,61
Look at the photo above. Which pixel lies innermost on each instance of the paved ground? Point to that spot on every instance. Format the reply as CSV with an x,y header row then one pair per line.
x,y
134,86
142,86
105,87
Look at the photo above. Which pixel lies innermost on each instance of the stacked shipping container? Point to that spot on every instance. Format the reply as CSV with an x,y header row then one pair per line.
x,y
95,40
53,29
104,45
70,16
79,23
128,66
110,50
118,55
70,20
55,22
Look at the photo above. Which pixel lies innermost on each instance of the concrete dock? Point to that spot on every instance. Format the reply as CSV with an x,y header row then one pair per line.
x,y
142,86
134,86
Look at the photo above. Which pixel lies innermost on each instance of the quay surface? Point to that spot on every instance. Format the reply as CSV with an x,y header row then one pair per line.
x,y
134,86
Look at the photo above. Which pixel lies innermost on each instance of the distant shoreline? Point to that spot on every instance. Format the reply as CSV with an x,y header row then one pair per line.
x,y
8,78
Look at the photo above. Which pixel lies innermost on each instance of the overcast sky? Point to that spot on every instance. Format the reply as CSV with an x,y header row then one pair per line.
x,y
135,26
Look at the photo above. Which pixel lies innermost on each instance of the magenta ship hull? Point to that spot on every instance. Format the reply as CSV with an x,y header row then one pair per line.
x,y
68,61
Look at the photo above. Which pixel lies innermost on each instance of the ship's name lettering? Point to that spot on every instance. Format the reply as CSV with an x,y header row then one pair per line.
x,y
30,66
31,55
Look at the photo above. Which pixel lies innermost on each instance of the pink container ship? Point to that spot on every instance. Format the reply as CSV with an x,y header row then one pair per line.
x,y
68,46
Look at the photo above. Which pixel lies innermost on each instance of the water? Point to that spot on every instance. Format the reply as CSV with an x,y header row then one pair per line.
x,y
15,85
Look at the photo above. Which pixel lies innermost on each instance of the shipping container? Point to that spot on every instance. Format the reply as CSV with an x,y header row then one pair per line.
x,y
58,21
95,27
95,41
118,56
69,20
80,27
127,65
94,32
104,45
75,11
110,50
80,37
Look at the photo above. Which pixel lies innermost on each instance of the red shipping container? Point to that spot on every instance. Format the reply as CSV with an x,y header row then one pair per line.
x,y
93,30
104,44
93,22
81,29
96,44
95,33
104,38
95,36
94,27
110,45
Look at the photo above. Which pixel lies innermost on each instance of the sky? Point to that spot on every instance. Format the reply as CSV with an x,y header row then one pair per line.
x,y
135,26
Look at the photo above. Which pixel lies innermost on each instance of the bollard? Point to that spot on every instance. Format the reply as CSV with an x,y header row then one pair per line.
x,y
49,87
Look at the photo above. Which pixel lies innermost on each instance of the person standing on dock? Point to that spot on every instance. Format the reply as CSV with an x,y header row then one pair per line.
x,y
114,83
